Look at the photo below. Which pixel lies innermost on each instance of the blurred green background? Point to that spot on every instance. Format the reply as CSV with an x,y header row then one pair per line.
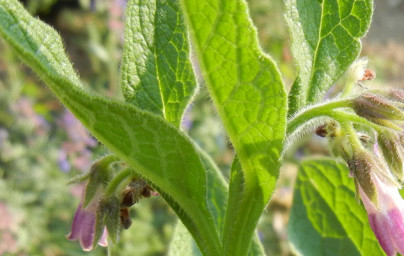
x,y
42,145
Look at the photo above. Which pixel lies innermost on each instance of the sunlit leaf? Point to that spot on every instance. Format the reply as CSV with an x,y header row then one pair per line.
x,y
156,71
326,218
325,41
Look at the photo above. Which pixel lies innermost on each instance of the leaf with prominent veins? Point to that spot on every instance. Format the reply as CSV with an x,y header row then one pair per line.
x,y
153,147
156,71
325,41
249,94
326,211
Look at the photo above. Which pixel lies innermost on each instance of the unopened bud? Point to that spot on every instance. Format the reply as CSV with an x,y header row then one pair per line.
x,y
374,107
98,177
356,71
135,190
126,222
330,129
361,166
393,152
396,95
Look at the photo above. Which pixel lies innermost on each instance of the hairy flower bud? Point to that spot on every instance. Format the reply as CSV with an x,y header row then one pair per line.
x,y
330,129
134,191
374,108
393,153
98,176
356,71
361,167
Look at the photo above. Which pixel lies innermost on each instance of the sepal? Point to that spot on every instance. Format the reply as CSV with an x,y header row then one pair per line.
x,y
108,215
99,175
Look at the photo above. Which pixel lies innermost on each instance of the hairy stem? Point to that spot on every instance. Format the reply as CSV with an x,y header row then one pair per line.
x,y
117,180
313,112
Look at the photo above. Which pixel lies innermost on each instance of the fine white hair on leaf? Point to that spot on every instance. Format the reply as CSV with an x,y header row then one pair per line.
x,y
303,130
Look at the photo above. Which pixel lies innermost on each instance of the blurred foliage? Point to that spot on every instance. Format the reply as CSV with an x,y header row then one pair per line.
x,y
42,146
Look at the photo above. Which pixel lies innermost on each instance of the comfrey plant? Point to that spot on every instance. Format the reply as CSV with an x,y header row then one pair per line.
x,y
151,154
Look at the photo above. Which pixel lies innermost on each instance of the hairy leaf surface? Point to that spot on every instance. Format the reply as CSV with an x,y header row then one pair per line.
x,y
249,95
325,41
156,71
153,147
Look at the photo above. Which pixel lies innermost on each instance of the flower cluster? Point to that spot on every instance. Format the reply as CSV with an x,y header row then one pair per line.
x,y
372,145
105,202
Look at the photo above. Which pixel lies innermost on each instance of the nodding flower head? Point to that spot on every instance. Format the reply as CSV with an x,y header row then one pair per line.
x,y
83,227
104,206
386,216
379,193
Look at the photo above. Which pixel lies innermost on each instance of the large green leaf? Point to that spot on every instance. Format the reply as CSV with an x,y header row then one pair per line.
x,y
156,71
249,95
154,148
325,41
326,218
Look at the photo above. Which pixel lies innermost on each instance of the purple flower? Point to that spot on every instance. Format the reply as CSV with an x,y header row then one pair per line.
x,y
83,227
387,217
63,163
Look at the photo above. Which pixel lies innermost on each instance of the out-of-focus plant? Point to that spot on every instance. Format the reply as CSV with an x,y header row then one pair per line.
x,y
152,153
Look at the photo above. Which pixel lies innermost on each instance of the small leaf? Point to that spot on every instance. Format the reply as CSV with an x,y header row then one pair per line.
x,y
249,94
325,41
157,74
157,150
326,218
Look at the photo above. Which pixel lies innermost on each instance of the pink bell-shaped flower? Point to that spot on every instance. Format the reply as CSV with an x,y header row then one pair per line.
x,y
387,217
83,227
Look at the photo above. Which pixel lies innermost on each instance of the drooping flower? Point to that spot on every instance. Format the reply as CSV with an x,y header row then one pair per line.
x,y
386,217
85,227
84,224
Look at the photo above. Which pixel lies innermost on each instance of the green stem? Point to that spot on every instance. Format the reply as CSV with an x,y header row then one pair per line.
x,y
117,180
320,110
109,248
108,160
349,130
340,116
348,89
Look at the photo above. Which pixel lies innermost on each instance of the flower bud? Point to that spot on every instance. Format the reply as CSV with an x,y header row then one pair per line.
x,y
393,153
361,167
134,191
330,130
124,215
374,107
356,71
98,176
397,95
